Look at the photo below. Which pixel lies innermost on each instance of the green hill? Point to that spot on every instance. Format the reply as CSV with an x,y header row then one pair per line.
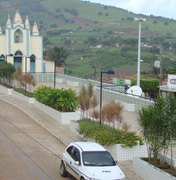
x,y
97,36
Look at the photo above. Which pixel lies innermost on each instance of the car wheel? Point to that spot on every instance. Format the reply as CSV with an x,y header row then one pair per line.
x,y
82,178
63,171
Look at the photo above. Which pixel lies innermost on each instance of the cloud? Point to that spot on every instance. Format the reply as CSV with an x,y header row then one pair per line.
x,y
156,7
165,8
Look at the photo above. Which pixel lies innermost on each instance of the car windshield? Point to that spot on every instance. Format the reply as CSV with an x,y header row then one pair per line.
x,y
97,158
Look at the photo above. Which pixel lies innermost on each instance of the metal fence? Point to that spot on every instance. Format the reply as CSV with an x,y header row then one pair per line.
x,y
110,91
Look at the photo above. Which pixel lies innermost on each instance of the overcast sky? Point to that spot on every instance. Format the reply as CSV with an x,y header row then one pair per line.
x,y
165,8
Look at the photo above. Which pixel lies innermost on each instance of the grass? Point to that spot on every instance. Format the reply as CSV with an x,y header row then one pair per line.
x,y
107,135
106,58
22,91
98,24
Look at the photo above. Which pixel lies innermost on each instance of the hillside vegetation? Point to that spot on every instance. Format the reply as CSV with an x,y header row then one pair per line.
x,y
98,36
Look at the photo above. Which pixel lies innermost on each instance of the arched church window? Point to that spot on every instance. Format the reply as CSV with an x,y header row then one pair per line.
x,y
18,36
32,58
32,63
18,53
2,57
18,59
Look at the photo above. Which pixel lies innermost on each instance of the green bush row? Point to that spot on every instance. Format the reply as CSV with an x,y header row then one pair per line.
x,y
147,84
106,135
64,100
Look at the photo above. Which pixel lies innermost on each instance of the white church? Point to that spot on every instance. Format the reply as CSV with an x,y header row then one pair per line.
x,y
22,46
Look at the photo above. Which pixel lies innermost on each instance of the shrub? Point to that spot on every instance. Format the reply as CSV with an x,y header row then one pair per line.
x,y
106,135
149,85
64,100
112,111
6,73
87,99
157,123
67,100
85,127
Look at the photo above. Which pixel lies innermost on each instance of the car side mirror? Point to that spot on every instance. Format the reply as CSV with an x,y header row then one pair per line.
x,y
116,162
77,163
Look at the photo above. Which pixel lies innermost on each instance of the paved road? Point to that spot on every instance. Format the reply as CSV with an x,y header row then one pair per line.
x,y
59,131
27,151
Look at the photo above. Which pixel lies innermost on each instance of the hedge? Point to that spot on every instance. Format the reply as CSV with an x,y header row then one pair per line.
x,y
106,135
64,100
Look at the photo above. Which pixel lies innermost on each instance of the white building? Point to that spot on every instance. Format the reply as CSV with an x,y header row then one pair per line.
x,y
22,45
170,86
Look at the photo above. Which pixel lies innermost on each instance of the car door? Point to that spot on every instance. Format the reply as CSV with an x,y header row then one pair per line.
x,y
73,161
68,159
76,163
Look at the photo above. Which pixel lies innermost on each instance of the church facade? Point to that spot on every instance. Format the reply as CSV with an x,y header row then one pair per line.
x,y
22,46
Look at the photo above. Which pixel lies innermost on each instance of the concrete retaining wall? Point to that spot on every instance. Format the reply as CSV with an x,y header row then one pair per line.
x,y
121,153
62,117
149,172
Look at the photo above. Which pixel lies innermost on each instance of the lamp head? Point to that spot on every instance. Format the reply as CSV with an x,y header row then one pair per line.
x,y
110,72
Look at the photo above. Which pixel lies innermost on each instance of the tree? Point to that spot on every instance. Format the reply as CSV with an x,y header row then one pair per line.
x,y
19,77
112,112
84,99
149,85
30,80
6,73
25,79
87,99
151,123
158,125
92,41
58,55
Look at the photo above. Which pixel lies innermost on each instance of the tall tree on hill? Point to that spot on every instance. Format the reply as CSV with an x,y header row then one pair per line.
x,y
58,55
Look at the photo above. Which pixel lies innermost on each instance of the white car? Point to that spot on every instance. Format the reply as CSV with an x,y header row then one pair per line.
x,y
89,161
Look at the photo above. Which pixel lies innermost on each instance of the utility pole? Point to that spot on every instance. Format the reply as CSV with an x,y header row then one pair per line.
x,y
25,74
161,68
54,74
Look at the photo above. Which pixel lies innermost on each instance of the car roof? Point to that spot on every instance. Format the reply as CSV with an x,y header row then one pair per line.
x,y
89,146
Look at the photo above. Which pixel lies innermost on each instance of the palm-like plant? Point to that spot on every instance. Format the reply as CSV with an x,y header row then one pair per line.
x,y
149,120
158,125
58,55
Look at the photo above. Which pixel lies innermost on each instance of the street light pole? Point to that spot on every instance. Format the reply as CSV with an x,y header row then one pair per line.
x,y
140,20
54,74
101,94
25,74
139,55
101,87
161,69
